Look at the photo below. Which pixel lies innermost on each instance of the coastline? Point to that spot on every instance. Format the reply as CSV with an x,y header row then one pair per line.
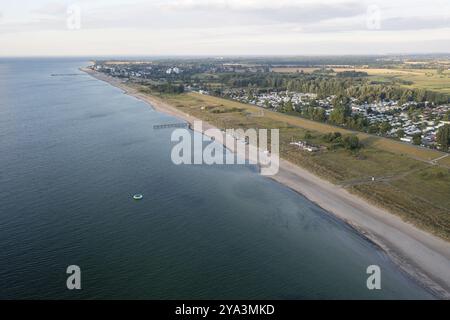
x,y
423,256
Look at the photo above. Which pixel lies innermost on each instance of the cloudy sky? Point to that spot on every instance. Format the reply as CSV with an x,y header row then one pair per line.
x,y
222,27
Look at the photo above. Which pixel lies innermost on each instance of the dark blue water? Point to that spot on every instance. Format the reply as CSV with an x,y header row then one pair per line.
x,y
72,152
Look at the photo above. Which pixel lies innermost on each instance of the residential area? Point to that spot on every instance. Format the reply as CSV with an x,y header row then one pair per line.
x,y
406,122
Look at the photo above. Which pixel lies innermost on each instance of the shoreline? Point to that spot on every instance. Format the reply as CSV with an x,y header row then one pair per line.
x,y
422,256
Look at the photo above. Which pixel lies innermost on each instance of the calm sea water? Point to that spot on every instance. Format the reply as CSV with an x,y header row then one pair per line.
x,y
72,152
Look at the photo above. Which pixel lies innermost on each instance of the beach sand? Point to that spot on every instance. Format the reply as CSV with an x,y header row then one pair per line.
x,y
422,256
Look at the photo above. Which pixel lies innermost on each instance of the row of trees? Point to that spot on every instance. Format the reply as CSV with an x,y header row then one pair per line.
x,y
443,137
168,88
325,85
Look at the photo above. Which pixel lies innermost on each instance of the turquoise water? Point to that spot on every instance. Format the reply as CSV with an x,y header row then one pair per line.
x,y
73,151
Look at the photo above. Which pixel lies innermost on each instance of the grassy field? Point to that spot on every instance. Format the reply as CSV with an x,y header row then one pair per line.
x,y
445,161
406,184
428,79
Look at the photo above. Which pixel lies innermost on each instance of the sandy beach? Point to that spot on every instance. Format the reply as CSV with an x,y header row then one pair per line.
x,y
423,256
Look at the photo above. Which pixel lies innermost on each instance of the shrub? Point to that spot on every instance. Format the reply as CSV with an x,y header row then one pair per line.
x,y
332,137
351,142
308,135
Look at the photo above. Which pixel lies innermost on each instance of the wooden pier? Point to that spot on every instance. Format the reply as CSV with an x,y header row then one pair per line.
x,y
171,125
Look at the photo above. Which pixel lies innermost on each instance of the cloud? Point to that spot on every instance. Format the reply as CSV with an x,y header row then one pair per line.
x,y
51,9
264,11
245,5
308,15
418,23
208,14
231,26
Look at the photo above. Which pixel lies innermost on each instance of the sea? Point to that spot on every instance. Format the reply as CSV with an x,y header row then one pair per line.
x,y
73,152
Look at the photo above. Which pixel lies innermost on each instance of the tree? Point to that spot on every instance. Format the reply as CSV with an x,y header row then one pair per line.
x,y
373,129
357,122
338,116
319,114
447,116
351,142
341,101
385,127
332,137
289,106
417,139
443,137
400,133
313,103
341,109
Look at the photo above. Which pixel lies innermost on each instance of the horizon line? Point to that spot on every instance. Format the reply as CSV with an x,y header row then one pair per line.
x,y
224,55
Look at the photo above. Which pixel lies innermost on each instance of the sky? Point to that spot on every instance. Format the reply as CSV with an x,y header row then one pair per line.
x,y
222,27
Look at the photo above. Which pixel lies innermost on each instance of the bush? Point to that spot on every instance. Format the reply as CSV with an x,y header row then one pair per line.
x,y
351,142
332,137
417,139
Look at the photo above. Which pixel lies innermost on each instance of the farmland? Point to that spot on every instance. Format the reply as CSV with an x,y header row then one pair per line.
x,y
417,78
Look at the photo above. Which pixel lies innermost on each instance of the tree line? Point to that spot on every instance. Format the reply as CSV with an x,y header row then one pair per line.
x,y
325,85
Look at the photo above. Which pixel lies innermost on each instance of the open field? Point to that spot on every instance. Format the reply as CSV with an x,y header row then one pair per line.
x,y
405,182
445,161
428,79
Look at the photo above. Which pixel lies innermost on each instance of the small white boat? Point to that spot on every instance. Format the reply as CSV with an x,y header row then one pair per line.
x,y
138,196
